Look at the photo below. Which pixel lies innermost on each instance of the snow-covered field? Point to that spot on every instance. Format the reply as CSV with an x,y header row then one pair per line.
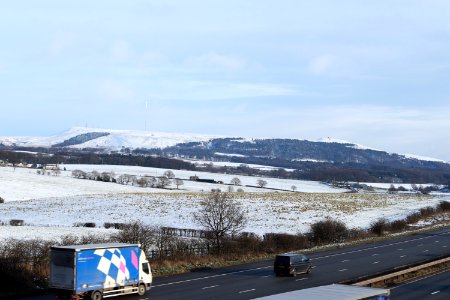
x,y
51,205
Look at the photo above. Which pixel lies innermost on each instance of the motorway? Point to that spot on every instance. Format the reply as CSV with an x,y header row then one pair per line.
x,y
431,287
257,279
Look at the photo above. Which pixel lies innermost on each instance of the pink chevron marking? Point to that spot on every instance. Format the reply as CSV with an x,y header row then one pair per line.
x,y
134,260
122,267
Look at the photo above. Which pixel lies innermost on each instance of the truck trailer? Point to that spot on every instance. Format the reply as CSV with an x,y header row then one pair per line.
x,y
97,271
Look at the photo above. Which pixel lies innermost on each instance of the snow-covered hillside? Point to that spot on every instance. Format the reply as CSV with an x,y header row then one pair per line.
x,y
115,140
51,205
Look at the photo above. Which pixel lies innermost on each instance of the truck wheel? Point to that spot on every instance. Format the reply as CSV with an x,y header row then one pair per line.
x,y
141,289
96,295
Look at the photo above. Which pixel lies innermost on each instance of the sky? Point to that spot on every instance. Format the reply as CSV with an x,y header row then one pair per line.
x,y
374,72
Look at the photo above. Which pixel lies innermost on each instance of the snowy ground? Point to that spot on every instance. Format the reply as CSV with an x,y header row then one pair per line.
x,y
51,205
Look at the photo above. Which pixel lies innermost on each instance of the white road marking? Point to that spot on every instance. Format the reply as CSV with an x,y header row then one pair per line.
x,y
375,262
210,287
425,250
378,247
444,246
375,254
345,260
316,258
213,276
246,291
313,267
433,293
400,249
420,245
342,270
436,241
402,256
409,282
300,279
265,276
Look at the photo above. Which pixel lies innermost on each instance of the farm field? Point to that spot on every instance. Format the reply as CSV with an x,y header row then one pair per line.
x,y
50,206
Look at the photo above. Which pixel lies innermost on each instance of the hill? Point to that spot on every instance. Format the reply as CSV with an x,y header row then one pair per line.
x,y
326,159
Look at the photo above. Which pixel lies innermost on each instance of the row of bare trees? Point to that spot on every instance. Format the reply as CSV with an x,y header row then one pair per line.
x,y
143,181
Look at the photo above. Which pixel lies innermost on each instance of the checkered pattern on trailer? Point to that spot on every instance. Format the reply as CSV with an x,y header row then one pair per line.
x,y
113,265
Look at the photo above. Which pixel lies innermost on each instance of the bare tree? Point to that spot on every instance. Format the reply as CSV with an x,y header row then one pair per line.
x,y
142,182
221,216
163,182
56,171
106,176
235,181
152,182
261,183
123,179
293,188
78,174
137,232
178,182
169,174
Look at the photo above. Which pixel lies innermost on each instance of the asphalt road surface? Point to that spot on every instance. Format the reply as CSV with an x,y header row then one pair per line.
x,y
257,279
432,287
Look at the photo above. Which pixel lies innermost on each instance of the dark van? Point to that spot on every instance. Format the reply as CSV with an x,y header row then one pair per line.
x,y
291,264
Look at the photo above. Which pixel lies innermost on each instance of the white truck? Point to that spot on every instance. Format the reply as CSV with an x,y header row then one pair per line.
x,y
97,271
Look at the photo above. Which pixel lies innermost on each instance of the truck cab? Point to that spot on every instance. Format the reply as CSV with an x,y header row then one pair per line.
x,y
145,275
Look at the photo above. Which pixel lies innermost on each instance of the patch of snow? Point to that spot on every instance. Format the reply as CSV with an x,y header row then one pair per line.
x,y
349,144
230,154
425,158
312,160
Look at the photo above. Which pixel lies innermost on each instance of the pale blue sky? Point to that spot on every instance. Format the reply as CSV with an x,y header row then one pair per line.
x,y
371,72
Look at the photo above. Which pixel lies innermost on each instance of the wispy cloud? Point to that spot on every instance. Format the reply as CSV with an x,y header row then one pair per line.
x,y
213,61
211,90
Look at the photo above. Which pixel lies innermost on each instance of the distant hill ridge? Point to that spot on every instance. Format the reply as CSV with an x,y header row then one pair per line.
x,y
327,158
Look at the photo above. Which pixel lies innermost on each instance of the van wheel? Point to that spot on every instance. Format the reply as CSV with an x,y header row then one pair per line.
x,y
96,295
308,271
141,289
294,273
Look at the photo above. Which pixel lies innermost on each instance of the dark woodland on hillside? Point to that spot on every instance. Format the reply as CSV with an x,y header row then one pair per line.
x,y
306,170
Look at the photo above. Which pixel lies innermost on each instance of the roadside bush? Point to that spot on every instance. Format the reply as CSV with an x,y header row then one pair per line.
x,y
108,225
137,232
398,225
23,265
402,189
276,242
246,242
357,233
85,239
328,231
87,224
427,211
15,222
392,189
379,226
413,218
444,206
2,200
